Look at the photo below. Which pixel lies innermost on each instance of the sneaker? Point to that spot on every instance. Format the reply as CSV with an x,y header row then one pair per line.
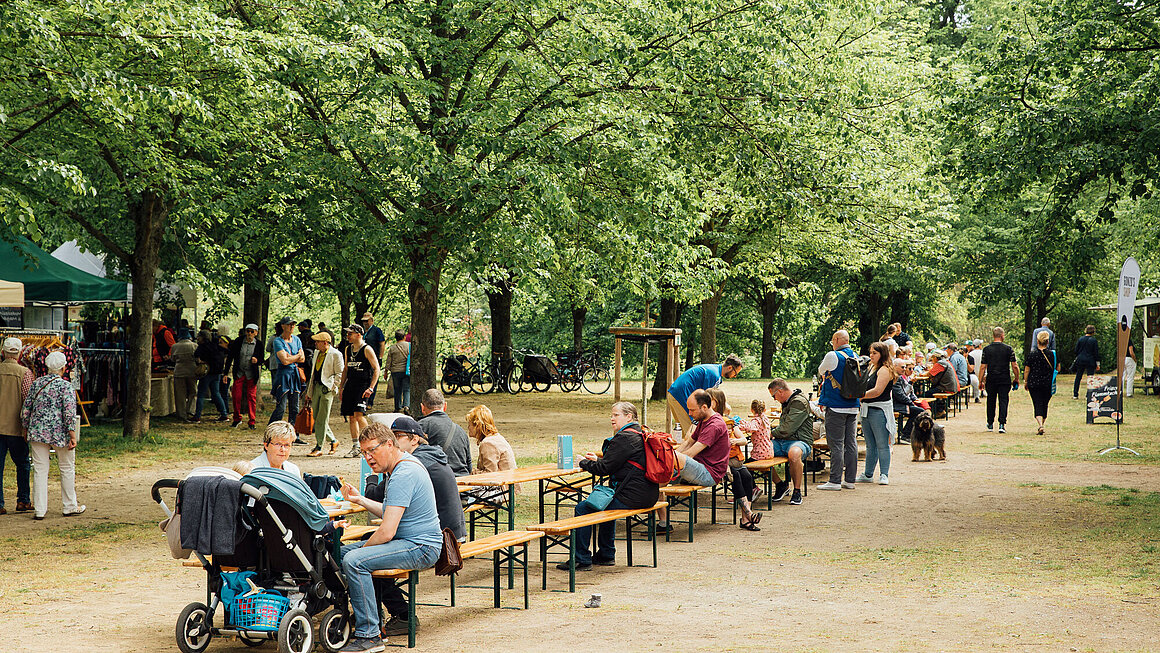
x,y
1002,428
780,491
796,499
847,485
883,480
976,400
299,441
604,563
397,626
757,494
223,418
315,452
38,517
3,510
79,510
990,426
354,452
236,423
664,529
830,485
333,447
863,478
579,567
252,427
363,645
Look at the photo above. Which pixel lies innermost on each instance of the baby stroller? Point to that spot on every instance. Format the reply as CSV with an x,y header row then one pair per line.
x,y
539,373
457,372
282,571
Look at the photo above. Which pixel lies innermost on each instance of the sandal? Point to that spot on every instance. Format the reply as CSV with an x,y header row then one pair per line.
x,y
756,518
315,452
749,526
1040,430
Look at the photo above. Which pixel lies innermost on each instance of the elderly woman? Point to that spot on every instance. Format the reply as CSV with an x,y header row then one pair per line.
x,y
1039,377
276,448
495,454
49,416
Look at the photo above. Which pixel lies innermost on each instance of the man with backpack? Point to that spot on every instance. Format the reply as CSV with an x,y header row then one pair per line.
x,y
841,388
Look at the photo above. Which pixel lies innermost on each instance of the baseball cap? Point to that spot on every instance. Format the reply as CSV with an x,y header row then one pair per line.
x,y
408,425
321,335
356,328
251,325
12,345
306,323
287,320
366,316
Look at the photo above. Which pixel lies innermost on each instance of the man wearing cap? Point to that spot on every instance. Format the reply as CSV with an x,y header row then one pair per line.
x,y
323,386
286,385
15,380
358,382
377,341
243,358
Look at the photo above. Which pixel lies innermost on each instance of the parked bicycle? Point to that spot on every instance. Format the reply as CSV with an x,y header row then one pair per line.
x,y
458,371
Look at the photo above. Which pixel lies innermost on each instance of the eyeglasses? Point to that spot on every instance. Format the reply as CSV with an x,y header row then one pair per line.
x,y
367,452
281,445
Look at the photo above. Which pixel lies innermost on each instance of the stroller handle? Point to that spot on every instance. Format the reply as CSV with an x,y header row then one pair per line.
x,y
165,483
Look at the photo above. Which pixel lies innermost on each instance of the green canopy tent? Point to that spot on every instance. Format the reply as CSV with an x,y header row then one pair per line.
x,y
50,281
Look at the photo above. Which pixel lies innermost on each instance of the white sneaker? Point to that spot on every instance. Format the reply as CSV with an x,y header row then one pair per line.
x,y
78,510
354,452
883,480
863,478
846,485
830,486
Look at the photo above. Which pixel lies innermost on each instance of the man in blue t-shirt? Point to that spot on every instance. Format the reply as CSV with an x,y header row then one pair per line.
x,y
699,377
408,537
286,385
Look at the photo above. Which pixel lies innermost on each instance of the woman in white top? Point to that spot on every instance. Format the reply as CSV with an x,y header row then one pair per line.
x,y
325,374
276,444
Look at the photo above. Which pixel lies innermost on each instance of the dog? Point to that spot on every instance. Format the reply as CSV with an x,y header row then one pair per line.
x,y
927,437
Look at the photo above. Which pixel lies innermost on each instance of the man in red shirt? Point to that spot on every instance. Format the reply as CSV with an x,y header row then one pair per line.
x,y
704,457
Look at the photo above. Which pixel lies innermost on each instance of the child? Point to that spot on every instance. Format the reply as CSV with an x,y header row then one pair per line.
x,y
745,490
758,429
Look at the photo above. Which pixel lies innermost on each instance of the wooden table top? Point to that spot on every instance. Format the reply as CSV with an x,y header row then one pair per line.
x,y
518,475
341,508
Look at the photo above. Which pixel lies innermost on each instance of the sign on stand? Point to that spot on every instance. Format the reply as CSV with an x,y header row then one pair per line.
x,y
1125,309
1103,399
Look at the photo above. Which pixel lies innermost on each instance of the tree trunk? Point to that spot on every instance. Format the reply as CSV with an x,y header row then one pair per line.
x,y
670,318
425,319
499,302
149,216
770,304
253,299
579,314
899,302
343,311
709,325
264,317
1030,322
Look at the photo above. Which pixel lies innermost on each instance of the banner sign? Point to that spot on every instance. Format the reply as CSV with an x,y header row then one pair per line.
x,y
1125,309
12,317
1103,401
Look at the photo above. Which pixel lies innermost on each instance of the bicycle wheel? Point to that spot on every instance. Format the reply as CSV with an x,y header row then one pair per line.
x,y
514,375
569,381
541,386
449,386
482,382
596,380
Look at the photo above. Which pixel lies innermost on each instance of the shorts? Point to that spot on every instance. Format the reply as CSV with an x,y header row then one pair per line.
x,y
694,473
353,402
782,447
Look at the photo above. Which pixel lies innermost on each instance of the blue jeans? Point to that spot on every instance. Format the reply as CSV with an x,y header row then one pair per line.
x,y
210,385
290,398
605,536
401,381
359,561
877,441
694,473
16,447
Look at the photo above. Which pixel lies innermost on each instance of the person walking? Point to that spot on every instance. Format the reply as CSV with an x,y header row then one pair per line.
x,y
286,384
320,393
1087,357
398,364
999,369
1039,377
1044,327
184,375
841,420
1129,370
15,381
243,359
210,384
50,418
974,365
359,377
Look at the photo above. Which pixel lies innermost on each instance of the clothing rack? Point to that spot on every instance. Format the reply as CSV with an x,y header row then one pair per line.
x,y
108,349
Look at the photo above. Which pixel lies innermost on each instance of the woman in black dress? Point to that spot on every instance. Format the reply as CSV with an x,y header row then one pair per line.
x,y
1038,378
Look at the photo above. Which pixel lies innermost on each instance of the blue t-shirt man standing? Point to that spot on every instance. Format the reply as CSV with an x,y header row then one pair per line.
x,y
699,377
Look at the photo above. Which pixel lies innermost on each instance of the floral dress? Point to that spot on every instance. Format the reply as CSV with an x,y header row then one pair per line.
x,y
758,430
49,410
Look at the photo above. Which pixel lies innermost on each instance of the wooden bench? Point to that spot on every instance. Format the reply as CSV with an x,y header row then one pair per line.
x,y
765,469
682,497
562,533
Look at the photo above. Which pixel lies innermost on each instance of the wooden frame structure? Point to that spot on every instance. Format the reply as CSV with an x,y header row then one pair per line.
x,y
670,339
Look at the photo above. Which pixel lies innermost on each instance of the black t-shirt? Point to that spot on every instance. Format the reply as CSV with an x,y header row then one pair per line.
x,y
998,357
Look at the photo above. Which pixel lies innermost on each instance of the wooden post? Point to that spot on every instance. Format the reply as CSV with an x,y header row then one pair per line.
x,y
671,353
616,388
644,385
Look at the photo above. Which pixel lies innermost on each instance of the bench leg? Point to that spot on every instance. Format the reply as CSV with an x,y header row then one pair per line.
x,y
544,562
412,619
652,528
572,561
693,515
525,560
453,590
627,537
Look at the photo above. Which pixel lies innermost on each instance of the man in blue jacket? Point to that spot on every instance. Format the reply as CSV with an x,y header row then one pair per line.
x,y
699,377
841,420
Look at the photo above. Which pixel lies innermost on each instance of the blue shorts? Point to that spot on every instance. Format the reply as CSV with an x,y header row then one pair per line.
x,y
694,473
782,447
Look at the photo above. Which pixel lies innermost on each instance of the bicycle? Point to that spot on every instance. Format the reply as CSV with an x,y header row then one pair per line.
x,y
594,377
457,373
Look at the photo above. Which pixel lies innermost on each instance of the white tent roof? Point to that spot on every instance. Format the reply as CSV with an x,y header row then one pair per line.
x,y
1143,301
11,293
72,253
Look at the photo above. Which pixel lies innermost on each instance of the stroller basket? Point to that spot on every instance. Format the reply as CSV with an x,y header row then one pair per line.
x,y
259,611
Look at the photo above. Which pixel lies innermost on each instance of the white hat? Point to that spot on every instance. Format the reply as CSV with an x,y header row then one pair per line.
x,y
930,346
55,361
253,326
12,345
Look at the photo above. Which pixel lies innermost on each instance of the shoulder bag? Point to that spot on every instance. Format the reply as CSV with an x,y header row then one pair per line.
x,y
450,559
1054,373
304,423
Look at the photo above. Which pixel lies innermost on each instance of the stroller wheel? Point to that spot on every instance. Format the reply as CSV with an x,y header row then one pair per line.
x,y
295,633
334,630
194,628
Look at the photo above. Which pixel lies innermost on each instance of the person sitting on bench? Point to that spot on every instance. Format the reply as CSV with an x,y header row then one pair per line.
x,y
793,437
408,537
623,462
703,457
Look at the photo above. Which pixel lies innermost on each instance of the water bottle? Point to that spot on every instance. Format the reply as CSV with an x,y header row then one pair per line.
x,y
677,433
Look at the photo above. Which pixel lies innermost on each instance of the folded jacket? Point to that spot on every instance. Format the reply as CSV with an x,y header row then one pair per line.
x,y
210,508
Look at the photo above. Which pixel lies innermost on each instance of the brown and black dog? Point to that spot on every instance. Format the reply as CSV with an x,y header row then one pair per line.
x,y
927,437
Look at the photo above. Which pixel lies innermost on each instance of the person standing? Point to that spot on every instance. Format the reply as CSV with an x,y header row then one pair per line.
x,y
243,358
184,376
324,379
210,385
15,381
50,418
974,362
359,377
999,369
306,336
286,384
377,341
398,359
841,420
1038,377
1087,357
163,341
877,410
1129,370
698,377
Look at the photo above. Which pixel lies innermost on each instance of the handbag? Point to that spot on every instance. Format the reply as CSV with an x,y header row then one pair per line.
x,y
301,374
450,560
304,423
201,370
1054,372
600,497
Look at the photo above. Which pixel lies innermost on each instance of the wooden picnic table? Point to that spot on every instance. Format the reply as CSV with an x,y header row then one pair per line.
x,y
337,509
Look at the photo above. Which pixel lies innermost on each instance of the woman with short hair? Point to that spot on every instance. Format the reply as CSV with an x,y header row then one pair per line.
x,y
50,417
276,443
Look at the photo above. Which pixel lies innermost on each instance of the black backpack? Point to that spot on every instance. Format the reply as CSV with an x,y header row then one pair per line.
x,y
854,385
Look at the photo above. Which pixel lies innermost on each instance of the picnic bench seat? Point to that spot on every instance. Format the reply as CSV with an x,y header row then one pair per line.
x,y
682,497
765,469
562,533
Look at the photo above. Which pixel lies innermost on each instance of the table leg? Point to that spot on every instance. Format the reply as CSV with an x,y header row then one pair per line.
x,y
412,619
495,577
652,528
572,561
525,553
544,562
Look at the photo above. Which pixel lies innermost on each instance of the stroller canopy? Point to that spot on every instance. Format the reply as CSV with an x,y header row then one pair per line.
x,y
289,489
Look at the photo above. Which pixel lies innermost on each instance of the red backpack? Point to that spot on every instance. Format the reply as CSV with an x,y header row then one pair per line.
x,y
659,457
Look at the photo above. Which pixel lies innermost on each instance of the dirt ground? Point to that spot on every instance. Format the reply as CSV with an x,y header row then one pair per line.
x,y
965,555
